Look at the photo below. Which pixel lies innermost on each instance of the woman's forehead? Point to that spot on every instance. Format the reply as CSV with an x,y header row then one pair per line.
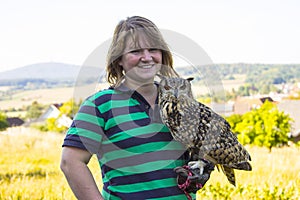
x,y
140,41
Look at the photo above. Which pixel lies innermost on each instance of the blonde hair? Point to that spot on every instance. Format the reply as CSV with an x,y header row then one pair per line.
x,y
132,27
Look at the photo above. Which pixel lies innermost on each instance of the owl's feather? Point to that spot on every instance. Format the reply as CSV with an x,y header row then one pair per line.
x,y
205,133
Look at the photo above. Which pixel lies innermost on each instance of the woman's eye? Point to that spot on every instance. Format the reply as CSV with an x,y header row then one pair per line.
x,y
153,50
135,51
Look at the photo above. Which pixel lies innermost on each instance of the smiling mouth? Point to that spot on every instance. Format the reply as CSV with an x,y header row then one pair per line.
x,y
145,66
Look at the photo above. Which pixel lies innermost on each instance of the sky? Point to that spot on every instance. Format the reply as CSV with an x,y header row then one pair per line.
x,y
229,31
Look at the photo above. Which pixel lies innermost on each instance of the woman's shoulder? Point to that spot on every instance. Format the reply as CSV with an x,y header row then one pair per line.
x,y
100,93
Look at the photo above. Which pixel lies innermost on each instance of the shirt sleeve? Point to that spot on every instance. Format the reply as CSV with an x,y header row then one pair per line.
x,y
86,131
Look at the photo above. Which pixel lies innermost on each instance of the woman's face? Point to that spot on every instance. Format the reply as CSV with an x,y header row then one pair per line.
x,y
142,64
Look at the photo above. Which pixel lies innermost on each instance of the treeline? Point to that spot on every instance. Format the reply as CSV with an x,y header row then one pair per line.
x,y
31,83
255,73
266,73
260,78
36,109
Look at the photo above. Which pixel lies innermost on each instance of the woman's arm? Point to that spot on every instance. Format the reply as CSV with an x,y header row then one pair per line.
x,y
74,166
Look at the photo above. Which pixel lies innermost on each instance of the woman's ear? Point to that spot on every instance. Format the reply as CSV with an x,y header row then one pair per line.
x,y
120,62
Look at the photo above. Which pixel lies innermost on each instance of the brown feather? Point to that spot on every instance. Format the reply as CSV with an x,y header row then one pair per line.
x,y
200,128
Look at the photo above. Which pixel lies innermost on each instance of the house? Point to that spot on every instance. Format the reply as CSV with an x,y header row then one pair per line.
x,y
246,104
54,112
291,107
14,121
223,109
295,136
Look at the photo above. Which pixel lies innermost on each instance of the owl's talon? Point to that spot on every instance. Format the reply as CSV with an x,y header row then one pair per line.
x,y
197,165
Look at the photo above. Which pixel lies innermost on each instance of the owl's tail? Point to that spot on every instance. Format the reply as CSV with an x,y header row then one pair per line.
x,y
242,166
229,172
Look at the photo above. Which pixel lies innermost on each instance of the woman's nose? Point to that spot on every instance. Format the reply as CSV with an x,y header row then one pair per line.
x,y
146,55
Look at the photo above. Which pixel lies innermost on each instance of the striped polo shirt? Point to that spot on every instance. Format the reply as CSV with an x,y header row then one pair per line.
x,y
136,151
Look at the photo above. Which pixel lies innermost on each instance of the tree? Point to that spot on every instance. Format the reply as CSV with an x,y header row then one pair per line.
x,y
52,125
3,122
266,126
34,111
233,120
69,108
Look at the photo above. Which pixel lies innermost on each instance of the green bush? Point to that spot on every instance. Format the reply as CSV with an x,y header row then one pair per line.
x,y
265,127
3,122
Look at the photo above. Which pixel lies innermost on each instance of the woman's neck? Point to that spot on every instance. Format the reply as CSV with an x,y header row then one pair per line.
x,y
147,90
141,87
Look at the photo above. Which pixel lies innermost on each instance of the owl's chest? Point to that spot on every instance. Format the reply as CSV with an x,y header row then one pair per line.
x,y
181,119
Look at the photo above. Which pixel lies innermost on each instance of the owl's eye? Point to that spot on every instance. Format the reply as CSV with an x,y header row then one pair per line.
x,y
182,87
167,87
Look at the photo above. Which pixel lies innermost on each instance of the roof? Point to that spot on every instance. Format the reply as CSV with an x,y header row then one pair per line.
x,y
291,107
245,104
263,99
14,121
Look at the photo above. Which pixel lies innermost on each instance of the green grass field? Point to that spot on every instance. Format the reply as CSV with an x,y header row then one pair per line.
x,y
30,170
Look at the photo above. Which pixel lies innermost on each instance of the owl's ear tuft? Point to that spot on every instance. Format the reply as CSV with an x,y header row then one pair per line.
x,y
190,79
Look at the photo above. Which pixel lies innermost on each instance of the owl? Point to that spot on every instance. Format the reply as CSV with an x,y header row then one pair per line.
x,y
205,134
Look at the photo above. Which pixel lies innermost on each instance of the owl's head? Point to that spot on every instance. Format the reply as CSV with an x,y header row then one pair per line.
x,y
175,87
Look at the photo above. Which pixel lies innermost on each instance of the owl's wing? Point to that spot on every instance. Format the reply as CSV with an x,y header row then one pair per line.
x,y
219,143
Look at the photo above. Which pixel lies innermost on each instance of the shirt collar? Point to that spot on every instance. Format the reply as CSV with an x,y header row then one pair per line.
x,y
123,88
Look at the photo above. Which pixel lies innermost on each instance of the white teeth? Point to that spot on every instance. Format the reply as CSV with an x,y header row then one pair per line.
x,y
146,66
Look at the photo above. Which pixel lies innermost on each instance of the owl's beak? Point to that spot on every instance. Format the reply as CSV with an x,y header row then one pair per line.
x,y
176,93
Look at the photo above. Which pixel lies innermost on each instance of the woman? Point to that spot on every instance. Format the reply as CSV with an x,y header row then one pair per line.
x,y
121,124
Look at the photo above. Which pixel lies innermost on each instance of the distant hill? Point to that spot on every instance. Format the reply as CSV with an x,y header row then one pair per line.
x,y
47,72
50,70
53,74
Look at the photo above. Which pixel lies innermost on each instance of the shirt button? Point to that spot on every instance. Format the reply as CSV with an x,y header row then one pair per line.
x,y
147,106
